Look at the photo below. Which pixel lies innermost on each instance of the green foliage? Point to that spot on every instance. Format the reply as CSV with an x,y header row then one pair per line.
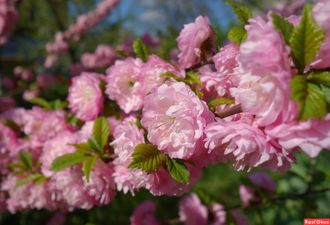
x,y
26,159
283,26
237,35
322,77
242,12
100,134
306,40
220,101
67,160
178,170
38,178
140,49
311,99
88,165
146,157
41,102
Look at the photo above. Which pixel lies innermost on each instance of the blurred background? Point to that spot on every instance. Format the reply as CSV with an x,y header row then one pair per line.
x,y
158,22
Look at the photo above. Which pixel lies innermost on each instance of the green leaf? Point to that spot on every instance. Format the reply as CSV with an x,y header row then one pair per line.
x,y
100,134
283,26
146,157
64,161
193,78
237,35
26,159
33,177
178,170
12,125
311,99
83,147
88,165
319,77
242,12
221,101
326,91
41,102
58,104
306,40
140,49
171,75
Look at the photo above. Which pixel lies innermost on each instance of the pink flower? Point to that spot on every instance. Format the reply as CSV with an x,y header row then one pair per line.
x,y
311,136
124,84
192,211
55,147
42,125
239,217
153,69
101,186
145,214
9,144
28,196
67,190
225,61
191,40
263,88
218,214
246,146
163,184
126,137
261,179
175,119
321,12
248,195
103,56
85,96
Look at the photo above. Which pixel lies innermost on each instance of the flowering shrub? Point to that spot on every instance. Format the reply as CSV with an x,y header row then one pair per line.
x,y
154,124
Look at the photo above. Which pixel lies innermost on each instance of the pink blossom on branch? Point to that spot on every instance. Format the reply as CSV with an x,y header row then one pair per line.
x,y
85,96
175,119
145,214
192,41
246,146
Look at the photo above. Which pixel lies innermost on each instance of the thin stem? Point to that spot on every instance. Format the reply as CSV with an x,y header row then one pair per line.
x,y
230,111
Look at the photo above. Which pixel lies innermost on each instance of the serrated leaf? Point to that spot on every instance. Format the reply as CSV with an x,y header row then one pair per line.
x,y
306,40
311,99
101,133
140,49
33,177
88,165
283,26
237,35
242,12
326,91
41,102
221,101
146,157
83,147
26,159
319,77
64,161
178,170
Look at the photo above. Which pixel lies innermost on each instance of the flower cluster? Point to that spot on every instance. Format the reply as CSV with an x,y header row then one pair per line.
x,y
83,24
148,123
